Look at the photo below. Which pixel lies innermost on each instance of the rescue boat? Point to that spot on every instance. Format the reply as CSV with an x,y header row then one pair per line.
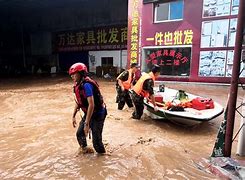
x,y
181,107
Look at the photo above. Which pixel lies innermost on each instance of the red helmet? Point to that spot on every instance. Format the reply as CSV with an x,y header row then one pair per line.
x,y
77,67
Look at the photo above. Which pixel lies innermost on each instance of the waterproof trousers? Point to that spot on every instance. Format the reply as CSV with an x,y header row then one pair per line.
x,y
96,125
122,98
138,105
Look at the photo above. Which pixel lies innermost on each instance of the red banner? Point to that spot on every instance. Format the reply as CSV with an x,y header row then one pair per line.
x,y
134,30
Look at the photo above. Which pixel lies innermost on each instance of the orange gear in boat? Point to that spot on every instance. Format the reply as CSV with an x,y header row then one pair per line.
x,y
186,104
168,105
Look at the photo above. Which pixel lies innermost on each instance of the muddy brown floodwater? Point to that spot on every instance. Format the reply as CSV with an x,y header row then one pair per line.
x,y
37,140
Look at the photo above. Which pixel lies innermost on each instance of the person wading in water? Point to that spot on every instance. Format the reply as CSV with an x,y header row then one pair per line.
x,y
123,84
88,98
144,89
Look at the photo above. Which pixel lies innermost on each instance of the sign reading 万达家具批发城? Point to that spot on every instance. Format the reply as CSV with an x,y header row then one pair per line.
x,y
101,38
173,61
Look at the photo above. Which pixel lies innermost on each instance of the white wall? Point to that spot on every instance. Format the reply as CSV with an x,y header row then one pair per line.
x,y
116,58
124,58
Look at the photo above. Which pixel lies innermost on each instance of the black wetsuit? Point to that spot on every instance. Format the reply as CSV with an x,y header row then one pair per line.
x,y
139,100
123,96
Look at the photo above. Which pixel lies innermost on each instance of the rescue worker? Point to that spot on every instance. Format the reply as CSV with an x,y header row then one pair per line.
x,y
89,99
144,88
123,84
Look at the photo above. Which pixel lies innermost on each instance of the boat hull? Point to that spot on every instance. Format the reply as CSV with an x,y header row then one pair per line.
x,y
188,117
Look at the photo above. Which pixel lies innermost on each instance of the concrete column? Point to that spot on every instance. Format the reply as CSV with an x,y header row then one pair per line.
x,y
241,137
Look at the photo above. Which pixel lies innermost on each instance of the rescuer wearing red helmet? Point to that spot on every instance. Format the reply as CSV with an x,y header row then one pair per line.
x,y
89,99
123,84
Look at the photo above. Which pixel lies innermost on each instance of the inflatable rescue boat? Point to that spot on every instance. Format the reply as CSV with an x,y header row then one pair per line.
x,y
181,107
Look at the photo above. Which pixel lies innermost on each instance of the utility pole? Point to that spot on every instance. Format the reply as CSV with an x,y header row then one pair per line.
x,y
234,80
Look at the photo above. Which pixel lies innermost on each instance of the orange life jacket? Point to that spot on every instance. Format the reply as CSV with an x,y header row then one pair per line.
x,y
138,88
127,84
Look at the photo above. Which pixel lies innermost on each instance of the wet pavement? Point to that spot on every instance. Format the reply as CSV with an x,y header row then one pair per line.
x,y
37,140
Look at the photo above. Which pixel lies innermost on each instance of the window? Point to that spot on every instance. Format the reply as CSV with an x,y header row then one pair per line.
x,y
107,61
215,33
218,63
169,11
173,61
216,8
212,63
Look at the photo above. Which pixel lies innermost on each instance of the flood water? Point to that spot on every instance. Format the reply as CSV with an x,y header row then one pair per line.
x,y
37,140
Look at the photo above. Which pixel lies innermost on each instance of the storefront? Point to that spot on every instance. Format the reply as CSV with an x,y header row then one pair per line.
x,y
95,47
192,40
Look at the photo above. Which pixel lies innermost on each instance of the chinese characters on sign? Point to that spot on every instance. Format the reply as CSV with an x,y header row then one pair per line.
x,y
92,39
173,61
169,58
134,39
181,37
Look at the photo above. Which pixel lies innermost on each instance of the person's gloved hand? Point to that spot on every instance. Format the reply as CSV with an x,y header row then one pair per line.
x,y
156,108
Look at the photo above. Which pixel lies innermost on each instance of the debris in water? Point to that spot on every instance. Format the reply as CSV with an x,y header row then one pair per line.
x,y
18,126
86,150
143,141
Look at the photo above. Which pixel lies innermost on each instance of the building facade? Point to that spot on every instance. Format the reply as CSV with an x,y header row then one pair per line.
x,y
49,36
103,46
192,40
